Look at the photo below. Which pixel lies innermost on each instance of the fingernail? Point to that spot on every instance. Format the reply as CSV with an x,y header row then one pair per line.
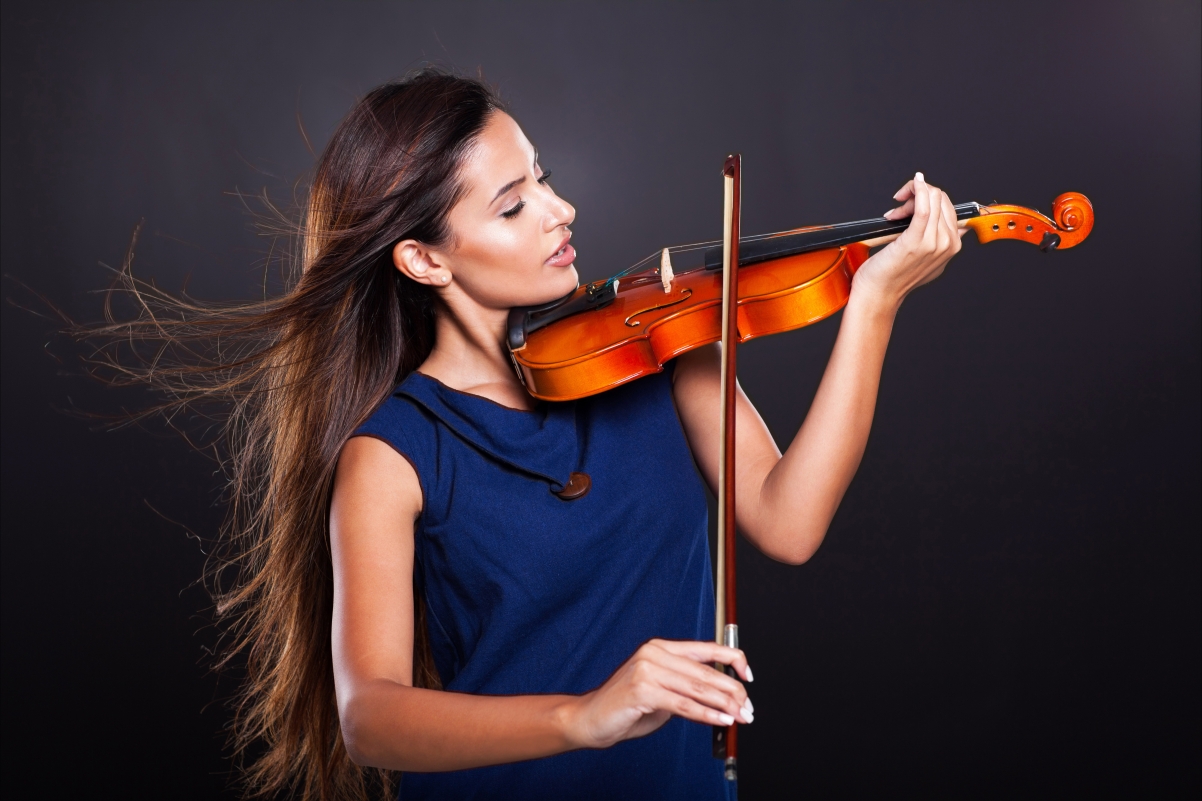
x,y
749,676
886,214
747,716
918,177
725,719
750,706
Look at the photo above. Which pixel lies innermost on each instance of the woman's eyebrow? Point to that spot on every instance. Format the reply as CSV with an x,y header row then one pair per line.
x,y
505,189
513,183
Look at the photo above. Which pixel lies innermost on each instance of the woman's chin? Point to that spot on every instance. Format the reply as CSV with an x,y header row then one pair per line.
x,y
570,279
546,288
560,283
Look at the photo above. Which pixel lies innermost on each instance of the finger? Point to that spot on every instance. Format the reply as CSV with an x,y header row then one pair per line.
x,y
910,187
876,242
921,213
704,651
933,218
949,213
685,707
951,225
904,210
704,690
942,230
703,674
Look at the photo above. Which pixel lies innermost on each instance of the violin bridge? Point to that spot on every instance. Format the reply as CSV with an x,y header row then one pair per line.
x,y
665,271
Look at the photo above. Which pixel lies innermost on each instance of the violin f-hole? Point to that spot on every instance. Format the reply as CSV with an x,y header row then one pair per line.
x,y
684,295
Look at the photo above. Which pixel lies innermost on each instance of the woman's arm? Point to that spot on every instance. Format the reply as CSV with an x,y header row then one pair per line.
x,y
388,723
785,503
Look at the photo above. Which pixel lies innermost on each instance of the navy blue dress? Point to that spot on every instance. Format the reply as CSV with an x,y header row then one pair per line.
x,y
527,593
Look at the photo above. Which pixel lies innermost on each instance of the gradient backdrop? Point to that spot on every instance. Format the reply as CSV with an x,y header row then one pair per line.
x,y
1007,602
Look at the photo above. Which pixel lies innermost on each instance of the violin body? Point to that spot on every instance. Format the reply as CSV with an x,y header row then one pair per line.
x,y
644,328
641,327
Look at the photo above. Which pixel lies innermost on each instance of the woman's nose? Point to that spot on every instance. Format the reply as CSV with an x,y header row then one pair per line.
x,y
561,213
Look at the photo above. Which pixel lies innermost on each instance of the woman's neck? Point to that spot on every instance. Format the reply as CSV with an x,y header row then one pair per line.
x,y
470,354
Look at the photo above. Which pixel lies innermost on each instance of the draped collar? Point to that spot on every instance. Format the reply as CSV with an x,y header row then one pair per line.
x,y
542,442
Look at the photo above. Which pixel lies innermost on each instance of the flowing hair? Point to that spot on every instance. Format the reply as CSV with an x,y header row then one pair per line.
x,y
293,377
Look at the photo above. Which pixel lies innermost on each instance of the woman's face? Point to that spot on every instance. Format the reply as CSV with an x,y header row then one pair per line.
x,y
510,234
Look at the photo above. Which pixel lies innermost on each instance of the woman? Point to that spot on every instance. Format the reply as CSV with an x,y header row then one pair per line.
x,y
395,486
484,564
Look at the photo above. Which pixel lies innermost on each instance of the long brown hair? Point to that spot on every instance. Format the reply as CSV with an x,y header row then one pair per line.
x,y
295,375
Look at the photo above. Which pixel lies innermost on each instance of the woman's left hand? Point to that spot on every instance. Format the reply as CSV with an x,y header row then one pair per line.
x,y
920,253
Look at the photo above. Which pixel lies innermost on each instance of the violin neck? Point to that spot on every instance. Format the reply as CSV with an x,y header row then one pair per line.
x,y
790,243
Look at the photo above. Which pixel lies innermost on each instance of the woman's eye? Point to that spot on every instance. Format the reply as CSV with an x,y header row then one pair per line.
x,y
521,204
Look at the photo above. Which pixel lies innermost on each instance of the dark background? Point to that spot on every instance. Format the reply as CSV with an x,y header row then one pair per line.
x,y
1007,602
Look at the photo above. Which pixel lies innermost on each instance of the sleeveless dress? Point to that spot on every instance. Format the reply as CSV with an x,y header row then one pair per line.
x,y
528,593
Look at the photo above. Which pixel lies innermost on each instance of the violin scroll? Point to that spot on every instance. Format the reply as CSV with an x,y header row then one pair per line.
x,y
1069,225
1073,212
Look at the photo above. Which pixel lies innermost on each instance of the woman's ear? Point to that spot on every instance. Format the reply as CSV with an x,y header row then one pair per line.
x,y
418,262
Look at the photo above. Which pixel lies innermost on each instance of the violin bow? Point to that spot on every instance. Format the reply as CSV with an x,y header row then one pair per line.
x,y
726,626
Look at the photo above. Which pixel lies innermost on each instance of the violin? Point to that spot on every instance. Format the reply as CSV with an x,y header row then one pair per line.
x,y
610,332
618,329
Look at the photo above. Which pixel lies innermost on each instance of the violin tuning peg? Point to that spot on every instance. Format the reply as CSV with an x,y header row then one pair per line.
x,y
1050,241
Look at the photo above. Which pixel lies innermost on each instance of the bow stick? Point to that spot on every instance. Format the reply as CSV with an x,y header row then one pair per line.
x,y
725,619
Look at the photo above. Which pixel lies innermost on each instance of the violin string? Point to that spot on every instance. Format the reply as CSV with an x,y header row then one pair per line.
x,y
695,246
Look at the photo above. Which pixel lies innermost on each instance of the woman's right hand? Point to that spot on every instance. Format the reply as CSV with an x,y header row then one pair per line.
x,y
662,678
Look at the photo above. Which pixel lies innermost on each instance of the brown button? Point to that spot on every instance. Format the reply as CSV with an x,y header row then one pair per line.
x,y
577,487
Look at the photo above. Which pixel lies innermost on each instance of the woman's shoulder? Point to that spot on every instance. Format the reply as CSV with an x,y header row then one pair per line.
x,y
399,421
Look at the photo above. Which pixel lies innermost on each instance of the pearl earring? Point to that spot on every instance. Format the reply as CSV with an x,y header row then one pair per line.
x,y
446,278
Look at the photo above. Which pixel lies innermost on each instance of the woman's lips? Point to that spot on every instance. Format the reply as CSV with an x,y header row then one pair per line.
x,y
564,256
